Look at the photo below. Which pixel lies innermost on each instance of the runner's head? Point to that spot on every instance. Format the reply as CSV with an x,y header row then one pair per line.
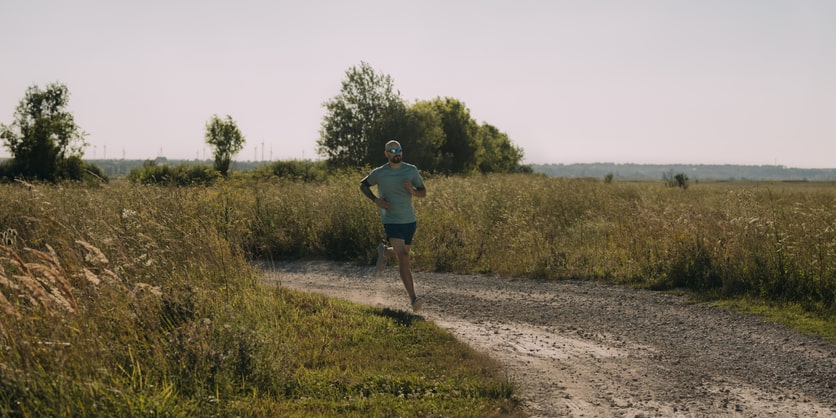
x,y
393,152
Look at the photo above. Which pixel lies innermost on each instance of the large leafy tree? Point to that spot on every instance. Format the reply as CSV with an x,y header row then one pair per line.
x,y
44,140
351,130
498,154
460,151
417,128
424,136
226,139
438,135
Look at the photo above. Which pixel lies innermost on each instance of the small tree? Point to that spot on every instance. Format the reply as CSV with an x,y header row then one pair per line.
x,y
681,180
675,180
225,137
44,140
348,135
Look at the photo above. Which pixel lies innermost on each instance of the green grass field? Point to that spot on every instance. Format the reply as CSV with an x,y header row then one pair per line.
x,y
125,300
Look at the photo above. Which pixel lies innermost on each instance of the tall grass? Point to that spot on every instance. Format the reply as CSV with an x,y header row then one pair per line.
x,y
774,241
131,300
141,300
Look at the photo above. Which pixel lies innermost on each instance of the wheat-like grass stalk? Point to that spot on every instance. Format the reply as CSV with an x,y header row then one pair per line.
x,y
37,294
45,284
109,275
5,305
139,288
3,279
93,254
52,281
54,274
24,279
90,276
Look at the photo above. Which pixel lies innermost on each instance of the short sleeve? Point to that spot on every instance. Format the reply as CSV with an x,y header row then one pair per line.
x,y
373,177
417,181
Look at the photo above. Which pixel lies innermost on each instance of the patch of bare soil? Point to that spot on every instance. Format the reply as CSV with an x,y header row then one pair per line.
x,y
578,348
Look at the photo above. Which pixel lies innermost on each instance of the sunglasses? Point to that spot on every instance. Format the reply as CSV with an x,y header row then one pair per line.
x,y
395,150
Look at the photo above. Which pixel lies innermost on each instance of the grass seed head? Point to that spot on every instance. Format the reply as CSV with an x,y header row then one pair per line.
x,y
90,276
92,254
7,308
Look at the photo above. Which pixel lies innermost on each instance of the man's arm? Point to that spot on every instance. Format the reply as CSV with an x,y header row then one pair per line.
x,y
419,191
367,189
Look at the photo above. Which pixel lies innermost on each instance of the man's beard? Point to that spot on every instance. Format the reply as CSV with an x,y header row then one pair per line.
x,y
396,159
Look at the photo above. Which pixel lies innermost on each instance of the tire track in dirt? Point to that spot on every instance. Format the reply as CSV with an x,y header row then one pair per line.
x,y
578,348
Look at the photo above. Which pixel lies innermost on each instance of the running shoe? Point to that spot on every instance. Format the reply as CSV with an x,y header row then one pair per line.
x,y
417,303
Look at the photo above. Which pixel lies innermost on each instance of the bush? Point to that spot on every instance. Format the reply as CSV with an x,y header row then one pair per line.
x,y
675,180
6,170
178,175
72,169
298,170
76,169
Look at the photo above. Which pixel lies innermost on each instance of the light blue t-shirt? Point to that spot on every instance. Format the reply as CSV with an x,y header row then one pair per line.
x,y
389,183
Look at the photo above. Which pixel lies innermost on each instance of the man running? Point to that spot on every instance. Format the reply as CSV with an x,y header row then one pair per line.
x,y
397,182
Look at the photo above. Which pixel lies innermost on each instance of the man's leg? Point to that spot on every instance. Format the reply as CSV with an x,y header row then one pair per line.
x,y
401,252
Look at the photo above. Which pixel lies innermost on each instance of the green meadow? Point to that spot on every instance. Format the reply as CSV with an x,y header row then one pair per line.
x,y
134,300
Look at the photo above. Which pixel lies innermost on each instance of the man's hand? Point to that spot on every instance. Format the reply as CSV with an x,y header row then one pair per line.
x,y
382,203
408,186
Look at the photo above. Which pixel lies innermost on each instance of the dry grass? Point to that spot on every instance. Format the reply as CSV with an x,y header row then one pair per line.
x,y
131,300
769,240
42,282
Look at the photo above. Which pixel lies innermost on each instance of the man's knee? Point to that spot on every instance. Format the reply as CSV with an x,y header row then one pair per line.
x,y
401,253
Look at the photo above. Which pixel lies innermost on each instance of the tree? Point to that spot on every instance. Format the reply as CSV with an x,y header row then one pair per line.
x,y
675,180
351,130
225,137
44,140
460,151
498,154
417,128
439,135
425,137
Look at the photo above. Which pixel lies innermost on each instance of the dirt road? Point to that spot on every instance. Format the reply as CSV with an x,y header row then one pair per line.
x,y
583,349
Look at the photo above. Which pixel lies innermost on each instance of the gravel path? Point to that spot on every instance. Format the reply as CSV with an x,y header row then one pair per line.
x,y
578,348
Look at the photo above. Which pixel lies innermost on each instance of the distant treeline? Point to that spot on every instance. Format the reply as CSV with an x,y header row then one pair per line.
x,y
121,168
695,172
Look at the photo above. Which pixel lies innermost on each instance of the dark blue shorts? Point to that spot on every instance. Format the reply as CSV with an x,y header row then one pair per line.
x,y
401,231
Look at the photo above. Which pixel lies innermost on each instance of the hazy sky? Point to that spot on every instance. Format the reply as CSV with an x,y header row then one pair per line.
x,y
667,81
